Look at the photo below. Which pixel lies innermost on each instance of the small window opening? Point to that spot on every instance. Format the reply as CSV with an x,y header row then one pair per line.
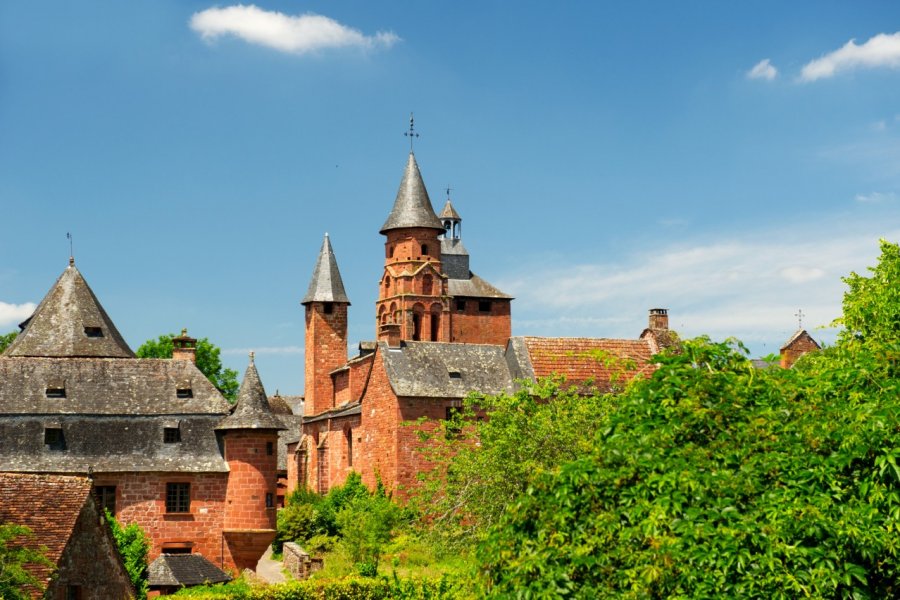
x,y
178,497
53,438
424,250
461,306
171,435
73,592
484,306
106,497
270,500
185,392
176,550
349,447
328,308
455,375
453,426
56,392
270,448
93,332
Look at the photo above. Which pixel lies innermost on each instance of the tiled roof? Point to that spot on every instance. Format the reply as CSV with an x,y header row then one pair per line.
x,y
279,405
800,333
49,505
326,284
412,207
609,363
346,410
473,287
184,569
70,322
252,409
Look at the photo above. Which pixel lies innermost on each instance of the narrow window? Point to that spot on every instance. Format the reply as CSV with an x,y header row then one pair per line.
x,y
417,327
184,392
349,447
460,306
270,500
178,497
270,448
106,498
328,308
93,332
171,435
56,392
424,250
427,284
73,592
53,438
484,306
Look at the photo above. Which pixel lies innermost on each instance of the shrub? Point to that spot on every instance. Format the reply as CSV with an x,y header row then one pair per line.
x,y
134,546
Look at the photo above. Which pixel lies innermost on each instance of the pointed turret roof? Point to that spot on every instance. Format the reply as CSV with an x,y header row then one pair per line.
x,y
326,284
252,409
412,208
449,212
70,323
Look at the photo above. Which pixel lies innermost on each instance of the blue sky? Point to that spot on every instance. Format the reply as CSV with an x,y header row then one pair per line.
x,y
728,161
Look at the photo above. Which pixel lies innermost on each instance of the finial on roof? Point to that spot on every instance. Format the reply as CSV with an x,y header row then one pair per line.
x,y
252,353
449,189
799,315
184,332
71,252
412,132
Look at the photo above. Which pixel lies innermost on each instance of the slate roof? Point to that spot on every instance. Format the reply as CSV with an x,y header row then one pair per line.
x,y
104,386
444,370
474,287
608,362
453,247
70,322
449,212
184,569
49,505
281,406
412,207
252,409
326,284
346,410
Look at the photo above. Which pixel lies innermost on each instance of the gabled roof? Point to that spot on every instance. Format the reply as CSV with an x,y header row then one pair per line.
x,y
412,207
184,569
70,322
446,370
47,504
474,287
607,363
252,409
449,212
326,284
800,334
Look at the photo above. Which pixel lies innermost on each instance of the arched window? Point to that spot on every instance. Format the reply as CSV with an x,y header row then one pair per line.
x,y
418,313
349,434
435,323
427,284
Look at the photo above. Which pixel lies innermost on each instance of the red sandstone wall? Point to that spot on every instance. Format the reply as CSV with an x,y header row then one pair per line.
x,y
799,347
253,475
326,350
359,376
378,429
410,459
474,327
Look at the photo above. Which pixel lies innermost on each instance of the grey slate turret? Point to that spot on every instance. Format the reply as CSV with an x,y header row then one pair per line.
x,y
70,323
326,284
449,212
412,208
252,409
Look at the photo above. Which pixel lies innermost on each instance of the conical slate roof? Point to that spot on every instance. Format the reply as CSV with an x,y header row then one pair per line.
x,y
412,208
252,409
70,322
449,212
326,284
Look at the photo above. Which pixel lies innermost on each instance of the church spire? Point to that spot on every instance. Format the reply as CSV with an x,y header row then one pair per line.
x,y
412,207
326,284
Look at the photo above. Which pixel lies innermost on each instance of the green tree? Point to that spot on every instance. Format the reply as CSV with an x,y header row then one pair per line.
x,y
16,581
134,546
208,361
6,340
366,527
714,479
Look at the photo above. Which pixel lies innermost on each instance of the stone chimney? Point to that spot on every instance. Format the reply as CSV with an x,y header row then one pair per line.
x,y
659,318
184,347
390,333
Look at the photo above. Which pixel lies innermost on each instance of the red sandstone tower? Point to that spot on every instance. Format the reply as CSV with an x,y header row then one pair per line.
x,y
250,437
326,305
413,302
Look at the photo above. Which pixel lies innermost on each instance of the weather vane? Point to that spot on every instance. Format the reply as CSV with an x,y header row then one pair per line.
x,y
412,131
449,189
799,315
71,251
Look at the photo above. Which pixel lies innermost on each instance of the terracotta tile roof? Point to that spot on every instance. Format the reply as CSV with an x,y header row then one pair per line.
x,y
48,504
608,363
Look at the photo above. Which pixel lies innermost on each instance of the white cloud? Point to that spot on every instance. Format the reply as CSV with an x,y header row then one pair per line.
x,y
13,314
882,50
875,197
749,287
293,34
763,70
265,350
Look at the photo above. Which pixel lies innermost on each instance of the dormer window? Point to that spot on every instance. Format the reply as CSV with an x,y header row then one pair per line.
x,y
184,392
93,332
454,374
56,392
53,438
171,435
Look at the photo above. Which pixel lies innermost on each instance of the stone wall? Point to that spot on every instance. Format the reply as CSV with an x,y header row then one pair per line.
x,y
298,563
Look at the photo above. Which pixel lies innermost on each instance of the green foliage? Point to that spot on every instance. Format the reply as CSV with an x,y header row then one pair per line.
x,y
6,340
366,526
134,546
714,479
208,362
16,582
481,465
351,588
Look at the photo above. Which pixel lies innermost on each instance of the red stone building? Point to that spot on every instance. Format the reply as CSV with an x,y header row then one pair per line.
x,y
162,445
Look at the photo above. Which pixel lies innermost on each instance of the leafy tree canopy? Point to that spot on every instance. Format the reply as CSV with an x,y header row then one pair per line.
x,y
714,479
6,340
208,362
16,581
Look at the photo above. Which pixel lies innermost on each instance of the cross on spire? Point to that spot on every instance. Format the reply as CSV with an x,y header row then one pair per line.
x,y
412,131
449,189
799,315
71,252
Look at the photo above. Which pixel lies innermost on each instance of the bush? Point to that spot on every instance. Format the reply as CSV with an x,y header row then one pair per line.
x,y
134,546
351,588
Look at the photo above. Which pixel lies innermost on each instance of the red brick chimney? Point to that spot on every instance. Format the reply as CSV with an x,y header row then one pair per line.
x,y
659,318
184,347
390,333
